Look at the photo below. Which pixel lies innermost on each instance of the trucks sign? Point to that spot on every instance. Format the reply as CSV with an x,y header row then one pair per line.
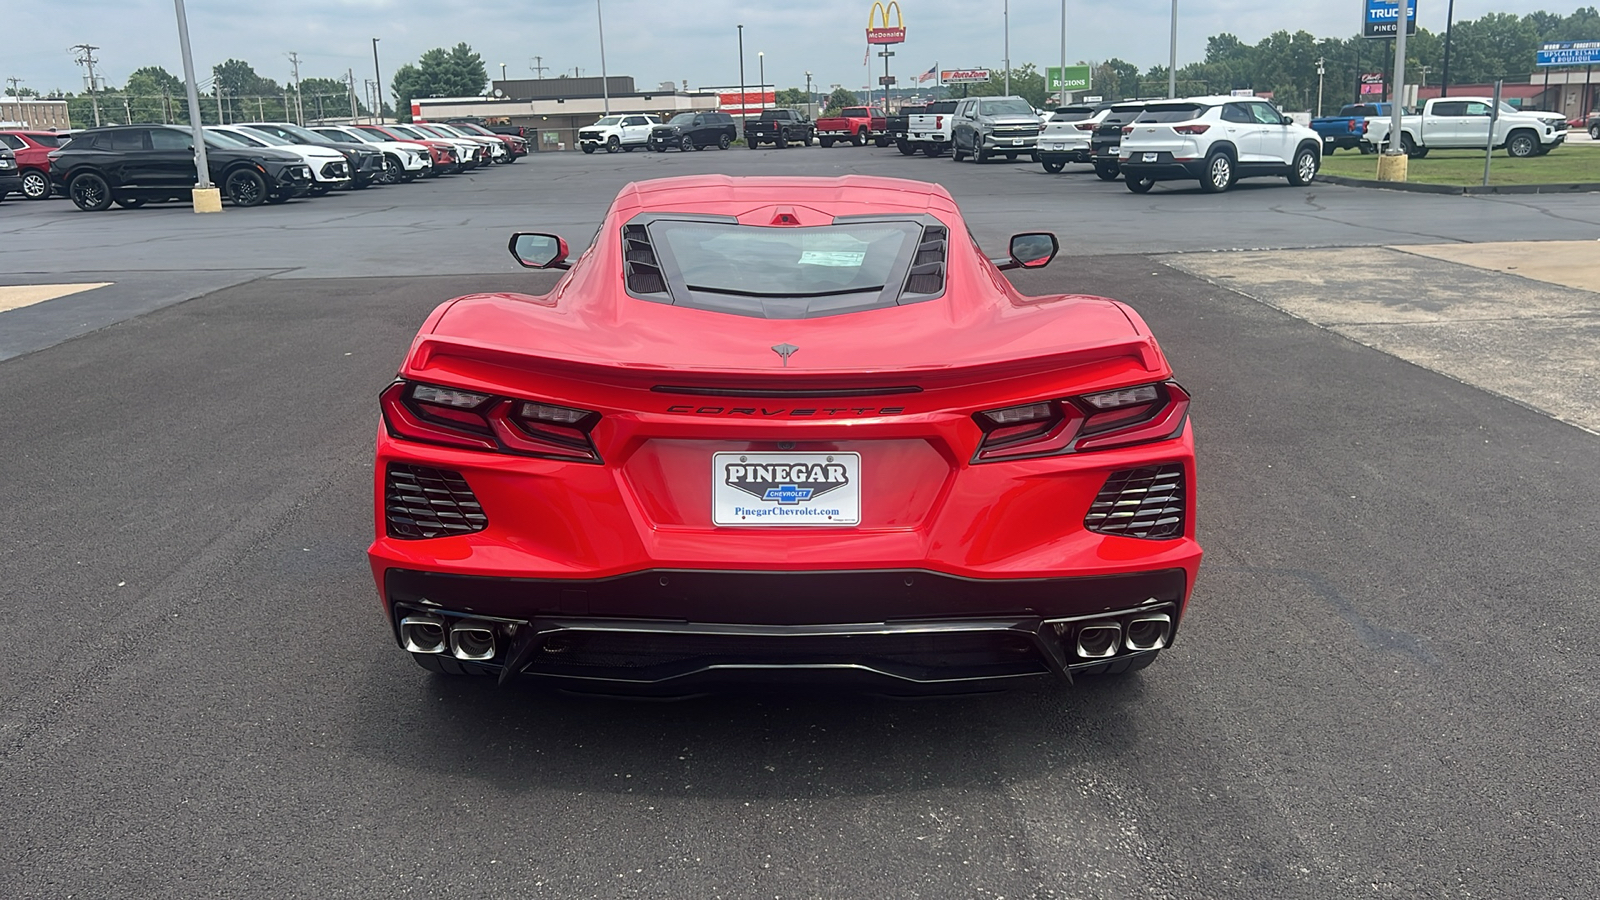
x,y
1380,18
963,76
1570,53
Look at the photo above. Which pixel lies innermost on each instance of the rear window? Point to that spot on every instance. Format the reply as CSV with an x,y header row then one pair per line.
x,y
784,272
1072,115
1172,112
48,140
1122,114
857,112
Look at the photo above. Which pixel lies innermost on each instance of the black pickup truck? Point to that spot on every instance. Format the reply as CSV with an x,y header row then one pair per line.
x,y
780,128
899,125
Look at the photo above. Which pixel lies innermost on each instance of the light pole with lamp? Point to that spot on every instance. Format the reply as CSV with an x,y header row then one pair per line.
x,y
1172,61
1007,14
809,98
1061,102
377,80
741,81
206,197
605,87
502,71
761,70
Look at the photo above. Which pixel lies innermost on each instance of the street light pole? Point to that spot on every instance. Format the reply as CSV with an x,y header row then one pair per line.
x,y
1449,21
206,197
605,87
741,81
1392,165
377,80
1172,61
502,71
808,95
1007,10
761,69
1062,100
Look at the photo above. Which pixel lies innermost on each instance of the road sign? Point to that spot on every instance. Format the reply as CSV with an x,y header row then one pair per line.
x,y
1570,53
886,79
963,76
1077,79
1380,18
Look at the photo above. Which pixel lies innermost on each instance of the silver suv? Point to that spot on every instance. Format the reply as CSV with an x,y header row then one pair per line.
x,y
989,126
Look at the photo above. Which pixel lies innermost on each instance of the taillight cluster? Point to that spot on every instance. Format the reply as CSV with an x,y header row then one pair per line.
x,y
1191,129
471,420
1101,421
1084,126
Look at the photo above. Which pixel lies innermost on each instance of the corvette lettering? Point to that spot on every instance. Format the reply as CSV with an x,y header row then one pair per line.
x,y
765,412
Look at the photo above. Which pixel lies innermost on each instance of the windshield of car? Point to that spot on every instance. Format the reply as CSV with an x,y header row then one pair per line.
x,y
473,128
222,139
1005,106
608,120
261,138
359,135
446,129
48,140
410,131
301,133
1172,112
1508,108
682,119
823,269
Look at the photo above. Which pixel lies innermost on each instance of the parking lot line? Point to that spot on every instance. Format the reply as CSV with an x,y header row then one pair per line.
x,y
18,296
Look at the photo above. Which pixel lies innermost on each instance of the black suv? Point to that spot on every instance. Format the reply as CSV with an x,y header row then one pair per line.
x,y
780,128
366,164
695,131
1107,138
132,165
10,175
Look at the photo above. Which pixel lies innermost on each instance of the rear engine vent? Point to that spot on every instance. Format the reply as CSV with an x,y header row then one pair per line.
x,y
639,258
1141,503
420,502
927,270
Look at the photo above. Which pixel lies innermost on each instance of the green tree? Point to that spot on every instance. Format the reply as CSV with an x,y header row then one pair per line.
x,y
839,99
1027,82
789,98
327,98
457,72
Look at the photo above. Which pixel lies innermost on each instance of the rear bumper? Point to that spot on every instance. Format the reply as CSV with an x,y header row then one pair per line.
x,y
10,182
901,631
1076,155
1167,169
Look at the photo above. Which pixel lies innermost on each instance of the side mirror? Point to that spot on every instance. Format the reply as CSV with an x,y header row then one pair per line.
x,y
1033,250
539,251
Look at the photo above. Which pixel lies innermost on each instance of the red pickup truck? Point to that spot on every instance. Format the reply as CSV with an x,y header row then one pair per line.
x,y
856,124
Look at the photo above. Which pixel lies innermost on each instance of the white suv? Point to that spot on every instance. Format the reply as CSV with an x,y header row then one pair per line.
x,y
617,133
1217,141
1067,136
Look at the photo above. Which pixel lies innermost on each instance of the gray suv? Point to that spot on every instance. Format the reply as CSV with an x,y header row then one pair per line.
x,y
990,126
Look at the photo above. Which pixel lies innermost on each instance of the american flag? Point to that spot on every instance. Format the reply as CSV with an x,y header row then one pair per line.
x,y
931,73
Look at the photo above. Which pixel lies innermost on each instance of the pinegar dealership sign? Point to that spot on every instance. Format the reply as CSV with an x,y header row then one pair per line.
x,y
1380,18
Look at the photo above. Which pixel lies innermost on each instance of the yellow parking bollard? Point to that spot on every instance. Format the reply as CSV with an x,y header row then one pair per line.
x,y
207,200
1393,167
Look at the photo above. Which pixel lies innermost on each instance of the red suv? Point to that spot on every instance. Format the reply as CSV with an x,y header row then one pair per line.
x,y
33,159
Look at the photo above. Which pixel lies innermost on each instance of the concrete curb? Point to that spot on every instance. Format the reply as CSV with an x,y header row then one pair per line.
x,y
1579,188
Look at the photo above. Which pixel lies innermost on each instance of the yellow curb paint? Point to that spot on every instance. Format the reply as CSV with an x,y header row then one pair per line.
x,y
18,296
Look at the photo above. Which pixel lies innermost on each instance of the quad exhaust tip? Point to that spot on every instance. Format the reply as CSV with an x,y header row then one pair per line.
x,y
424,634
1148,631
472,641
1099,640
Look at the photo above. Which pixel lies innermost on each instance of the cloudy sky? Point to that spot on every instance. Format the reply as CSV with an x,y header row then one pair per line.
x,y
652,40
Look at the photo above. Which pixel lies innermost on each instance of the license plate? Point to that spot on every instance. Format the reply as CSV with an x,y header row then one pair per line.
x,y
1151,157
786,489
1017,142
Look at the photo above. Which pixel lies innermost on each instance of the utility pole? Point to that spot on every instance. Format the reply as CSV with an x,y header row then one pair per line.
x,y
299,108
127,111
1172,61
85,57
1007,13
377,82
350,86
1424,70
14,83
538,68
1322,62
221,119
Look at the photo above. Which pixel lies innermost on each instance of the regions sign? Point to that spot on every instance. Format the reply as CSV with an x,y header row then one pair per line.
x,y
1570,53
963,76
1381,18
879,31
1077,79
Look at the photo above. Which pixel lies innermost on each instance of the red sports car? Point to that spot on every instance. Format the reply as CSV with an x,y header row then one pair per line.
x,y
784,428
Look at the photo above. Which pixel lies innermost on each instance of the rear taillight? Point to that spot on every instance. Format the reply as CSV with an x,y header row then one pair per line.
x,y
1127,129
1084,126
1191,129
470,420
1099,421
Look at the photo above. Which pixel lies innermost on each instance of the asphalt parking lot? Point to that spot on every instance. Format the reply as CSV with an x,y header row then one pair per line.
x,y
1385,688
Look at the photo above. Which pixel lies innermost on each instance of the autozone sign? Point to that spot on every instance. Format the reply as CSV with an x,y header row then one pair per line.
x,y
884,33
963,76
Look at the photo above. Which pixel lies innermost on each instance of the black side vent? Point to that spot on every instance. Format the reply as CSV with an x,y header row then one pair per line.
x,y
420,502
927,270
639,258
1140,503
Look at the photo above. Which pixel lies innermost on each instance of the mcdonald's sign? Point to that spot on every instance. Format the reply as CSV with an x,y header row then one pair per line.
x,y
884,34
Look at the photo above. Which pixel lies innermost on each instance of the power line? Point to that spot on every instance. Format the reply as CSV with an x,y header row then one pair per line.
x,y
85,57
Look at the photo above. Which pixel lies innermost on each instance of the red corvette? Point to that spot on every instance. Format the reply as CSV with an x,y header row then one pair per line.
x,y
784,428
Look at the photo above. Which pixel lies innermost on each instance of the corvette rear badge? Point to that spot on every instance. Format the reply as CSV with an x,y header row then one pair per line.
x,y
785,351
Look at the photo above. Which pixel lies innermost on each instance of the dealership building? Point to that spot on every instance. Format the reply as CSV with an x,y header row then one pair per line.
x,y
553,109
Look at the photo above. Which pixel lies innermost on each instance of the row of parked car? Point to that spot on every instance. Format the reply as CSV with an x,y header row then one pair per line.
x,y
251,163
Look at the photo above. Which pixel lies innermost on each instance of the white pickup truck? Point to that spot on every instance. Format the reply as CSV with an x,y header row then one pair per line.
x,y
1462,123
929,130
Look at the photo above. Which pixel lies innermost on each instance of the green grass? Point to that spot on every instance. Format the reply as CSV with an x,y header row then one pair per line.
x,y
1567,164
